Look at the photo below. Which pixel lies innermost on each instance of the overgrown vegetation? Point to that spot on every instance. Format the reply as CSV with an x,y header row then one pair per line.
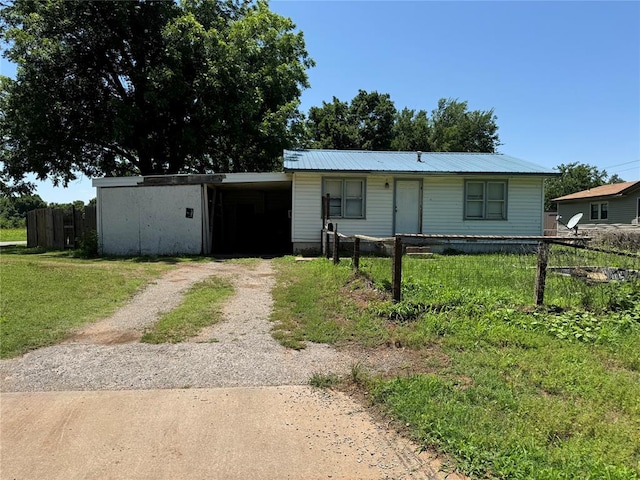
x,y
515,391
625,240
200,308
45,295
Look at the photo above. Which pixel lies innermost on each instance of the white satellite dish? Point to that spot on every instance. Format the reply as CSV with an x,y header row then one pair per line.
x,y
573,221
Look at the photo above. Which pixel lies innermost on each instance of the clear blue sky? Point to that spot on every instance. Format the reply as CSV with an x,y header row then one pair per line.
x,y
562,77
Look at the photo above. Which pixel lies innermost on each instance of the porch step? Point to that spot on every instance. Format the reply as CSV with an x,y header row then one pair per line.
x,y
418,252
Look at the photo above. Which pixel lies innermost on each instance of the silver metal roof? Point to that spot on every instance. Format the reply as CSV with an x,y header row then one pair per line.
x,y
407,162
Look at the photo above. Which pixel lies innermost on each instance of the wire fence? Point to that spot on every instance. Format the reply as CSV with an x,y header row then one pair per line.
x,y
575,275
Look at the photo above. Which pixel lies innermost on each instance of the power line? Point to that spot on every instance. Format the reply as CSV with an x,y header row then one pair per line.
x,y
621,164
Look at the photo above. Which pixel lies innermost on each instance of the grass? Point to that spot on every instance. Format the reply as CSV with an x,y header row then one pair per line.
x,y
200,308
516,391
46,295
13,234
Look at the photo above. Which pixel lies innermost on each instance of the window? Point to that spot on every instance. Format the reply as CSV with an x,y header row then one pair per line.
x,y
600,211
485,200
346,197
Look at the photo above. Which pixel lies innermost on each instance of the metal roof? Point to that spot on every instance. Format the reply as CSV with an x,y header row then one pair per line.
x,y
408,162
610,190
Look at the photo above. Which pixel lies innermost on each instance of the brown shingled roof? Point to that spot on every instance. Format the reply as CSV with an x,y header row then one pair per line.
x,y
602,191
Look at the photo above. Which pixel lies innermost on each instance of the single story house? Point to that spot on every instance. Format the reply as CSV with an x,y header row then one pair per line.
x,y
614,204
371,193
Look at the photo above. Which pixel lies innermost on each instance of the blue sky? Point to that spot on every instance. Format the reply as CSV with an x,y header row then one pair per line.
x,y
563,77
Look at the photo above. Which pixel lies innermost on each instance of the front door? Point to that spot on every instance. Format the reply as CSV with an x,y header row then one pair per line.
x,y
408,196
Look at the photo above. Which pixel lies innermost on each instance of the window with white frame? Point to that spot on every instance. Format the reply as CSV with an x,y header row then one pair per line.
x,y
600,211
346,197
485,200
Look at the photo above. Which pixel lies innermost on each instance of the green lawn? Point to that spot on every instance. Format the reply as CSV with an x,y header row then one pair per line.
x,y
13,234
45,295
506,389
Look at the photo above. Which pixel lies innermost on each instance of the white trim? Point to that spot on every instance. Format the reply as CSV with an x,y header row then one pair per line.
x,y
244,177
116,181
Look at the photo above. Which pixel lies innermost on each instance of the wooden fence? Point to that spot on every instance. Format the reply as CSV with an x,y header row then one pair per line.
x,y
56,229
543,243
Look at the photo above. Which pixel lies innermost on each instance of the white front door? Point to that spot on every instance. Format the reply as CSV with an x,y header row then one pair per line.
x,y
408,195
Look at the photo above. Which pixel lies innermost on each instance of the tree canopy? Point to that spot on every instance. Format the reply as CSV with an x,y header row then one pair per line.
x,y
372,122
13,211
575,177
146,87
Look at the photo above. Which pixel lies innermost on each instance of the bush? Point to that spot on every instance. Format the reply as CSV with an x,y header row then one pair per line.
x,y
88,245
626,240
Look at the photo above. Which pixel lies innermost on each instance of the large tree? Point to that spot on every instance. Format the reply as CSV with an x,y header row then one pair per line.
x,y
365,123
146,87
575,177
456,129
371,122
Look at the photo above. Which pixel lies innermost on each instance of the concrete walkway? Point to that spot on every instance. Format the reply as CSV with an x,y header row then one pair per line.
x,y
12,244
291,432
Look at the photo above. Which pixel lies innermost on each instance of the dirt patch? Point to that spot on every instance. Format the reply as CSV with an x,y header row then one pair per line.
x,y
390,361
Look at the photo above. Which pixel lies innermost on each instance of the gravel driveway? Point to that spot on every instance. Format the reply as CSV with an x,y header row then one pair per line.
x,y
238,351
101,387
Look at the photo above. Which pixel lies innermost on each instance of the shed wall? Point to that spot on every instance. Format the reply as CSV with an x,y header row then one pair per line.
x,y
150,220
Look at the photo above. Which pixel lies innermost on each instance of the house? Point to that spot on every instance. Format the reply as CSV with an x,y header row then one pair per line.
x,y
380,194
371,193
616,204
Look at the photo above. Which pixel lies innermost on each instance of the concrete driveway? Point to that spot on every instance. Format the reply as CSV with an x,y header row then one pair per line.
x,y
12,244
229,433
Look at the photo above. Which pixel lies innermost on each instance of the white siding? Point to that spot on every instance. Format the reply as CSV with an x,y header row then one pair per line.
x,y
307,208
442,213
443,208
150,220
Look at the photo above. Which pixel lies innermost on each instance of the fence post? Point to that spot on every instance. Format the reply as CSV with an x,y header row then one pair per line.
x,y
541,273
356,253
396,274
336,246
327,238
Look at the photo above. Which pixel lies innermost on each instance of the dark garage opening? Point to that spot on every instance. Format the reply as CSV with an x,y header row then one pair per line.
x,y
251,219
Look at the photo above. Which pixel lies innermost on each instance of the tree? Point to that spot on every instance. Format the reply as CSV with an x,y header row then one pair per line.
x,y
371,122
411,131
574,177
373,115
13,210
365,123
330,126
455,129
146,87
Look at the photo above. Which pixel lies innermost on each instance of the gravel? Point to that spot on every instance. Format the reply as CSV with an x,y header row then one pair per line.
x,y
238,351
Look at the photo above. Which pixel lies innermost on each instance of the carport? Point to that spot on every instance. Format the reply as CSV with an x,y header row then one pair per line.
x,y
237,213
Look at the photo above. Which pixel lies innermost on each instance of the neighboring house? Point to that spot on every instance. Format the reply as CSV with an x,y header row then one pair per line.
x,y
371,193
614,204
